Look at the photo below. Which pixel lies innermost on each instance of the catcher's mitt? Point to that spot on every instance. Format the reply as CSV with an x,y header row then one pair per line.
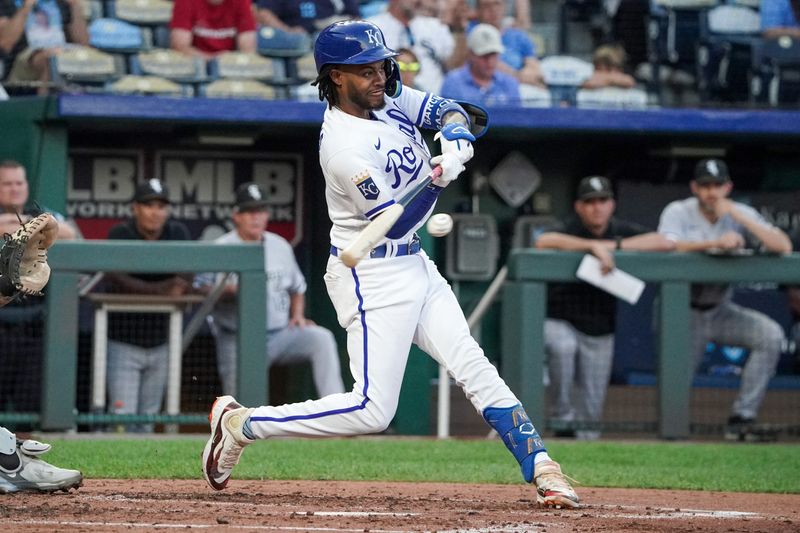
x,y
23,259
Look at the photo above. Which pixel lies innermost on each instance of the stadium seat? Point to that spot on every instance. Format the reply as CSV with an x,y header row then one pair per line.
x,y
250,89
147,85
612,98
238,65
141,12
590,12
278,43
118,37
85,68
171,65
301,69
563,76
152,16
303,92
728,34
775,78
532,96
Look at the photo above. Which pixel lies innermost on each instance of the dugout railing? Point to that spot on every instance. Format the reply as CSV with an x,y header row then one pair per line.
x,y
524,309
70,260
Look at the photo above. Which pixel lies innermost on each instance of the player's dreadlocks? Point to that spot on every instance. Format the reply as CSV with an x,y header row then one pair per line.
x,y
327,89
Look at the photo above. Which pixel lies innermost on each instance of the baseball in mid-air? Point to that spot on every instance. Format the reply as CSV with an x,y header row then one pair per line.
x,y
439,224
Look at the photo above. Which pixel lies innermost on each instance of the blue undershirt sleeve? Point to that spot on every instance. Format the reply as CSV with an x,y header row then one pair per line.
x,y
414,211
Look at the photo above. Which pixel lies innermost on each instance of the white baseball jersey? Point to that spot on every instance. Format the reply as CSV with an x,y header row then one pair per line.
x,y
682,220
385,304
430,40
284,278
360,183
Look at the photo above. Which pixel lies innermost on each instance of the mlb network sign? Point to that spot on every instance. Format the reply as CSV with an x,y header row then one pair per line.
x,y
201,188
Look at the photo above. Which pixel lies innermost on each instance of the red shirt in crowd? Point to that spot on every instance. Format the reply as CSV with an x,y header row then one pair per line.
x,y
214,26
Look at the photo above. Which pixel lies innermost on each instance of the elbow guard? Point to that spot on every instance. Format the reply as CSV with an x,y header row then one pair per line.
x,y
437,108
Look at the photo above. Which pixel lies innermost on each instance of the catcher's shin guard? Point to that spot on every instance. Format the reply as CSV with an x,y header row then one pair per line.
x,y
517,431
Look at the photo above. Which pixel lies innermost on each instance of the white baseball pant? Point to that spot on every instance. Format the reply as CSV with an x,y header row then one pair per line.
x,y
385,305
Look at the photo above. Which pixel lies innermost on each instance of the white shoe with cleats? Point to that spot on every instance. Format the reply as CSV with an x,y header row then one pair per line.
x,y
24,471
227,442
552,487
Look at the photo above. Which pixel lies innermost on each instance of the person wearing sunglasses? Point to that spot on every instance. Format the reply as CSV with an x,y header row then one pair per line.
x,y
409,66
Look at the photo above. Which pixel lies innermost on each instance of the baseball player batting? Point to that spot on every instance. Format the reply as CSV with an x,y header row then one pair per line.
x,y
372,153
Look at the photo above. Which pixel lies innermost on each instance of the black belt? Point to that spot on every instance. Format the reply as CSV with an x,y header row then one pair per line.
x,y
380,251
703,307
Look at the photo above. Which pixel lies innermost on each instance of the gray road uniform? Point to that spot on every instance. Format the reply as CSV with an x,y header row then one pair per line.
x,y
715,317
285,345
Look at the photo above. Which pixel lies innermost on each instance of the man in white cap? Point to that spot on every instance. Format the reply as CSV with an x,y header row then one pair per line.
x,y
479,80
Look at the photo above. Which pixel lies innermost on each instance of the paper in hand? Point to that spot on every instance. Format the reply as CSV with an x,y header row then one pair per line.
x,y
618,283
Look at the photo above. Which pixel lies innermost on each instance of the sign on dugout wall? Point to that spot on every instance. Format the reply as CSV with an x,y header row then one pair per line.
x,y
201,187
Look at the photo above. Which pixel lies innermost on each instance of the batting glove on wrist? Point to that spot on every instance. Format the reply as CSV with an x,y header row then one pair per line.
x,y
451,168
455,138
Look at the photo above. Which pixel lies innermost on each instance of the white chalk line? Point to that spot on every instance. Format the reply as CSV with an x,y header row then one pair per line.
x,y
630,512
672,512
355,514
157,525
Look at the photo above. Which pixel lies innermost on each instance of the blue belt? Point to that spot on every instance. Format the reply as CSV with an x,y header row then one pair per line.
x,y
380,251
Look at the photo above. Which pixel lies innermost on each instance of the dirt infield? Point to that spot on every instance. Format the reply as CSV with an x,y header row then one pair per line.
x,y
143,505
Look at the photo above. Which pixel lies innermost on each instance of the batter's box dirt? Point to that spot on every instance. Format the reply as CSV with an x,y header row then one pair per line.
x,y
149,505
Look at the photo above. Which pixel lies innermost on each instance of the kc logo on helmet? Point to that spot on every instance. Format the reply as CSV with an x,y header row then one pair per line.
x,y
374,36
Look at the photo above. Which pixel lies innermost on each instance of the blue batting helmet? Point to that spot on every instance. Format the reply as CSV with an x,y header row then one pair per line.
x,y
350,42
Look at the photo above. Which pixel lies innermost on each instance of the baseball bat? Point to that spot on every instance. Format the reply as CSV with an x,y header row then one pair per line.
x,y
380,225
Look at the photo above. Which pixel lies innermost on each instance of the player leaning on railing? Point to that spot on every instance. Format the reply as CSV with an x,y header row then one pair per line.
x,y
24,271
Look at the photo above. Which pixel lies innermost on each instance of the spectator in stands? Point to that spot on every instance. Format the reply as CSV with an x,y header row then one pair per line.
x,y
780,17
137,347
206,28
291,337
478,80
579,330
409,67
710,221
457,15
428,37
519,53
21,321
609,69
31,33
304,17
430,8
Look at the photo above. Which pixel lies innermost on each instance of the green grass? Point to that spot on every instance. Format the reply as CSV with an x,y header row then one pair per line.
x,y
721,467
